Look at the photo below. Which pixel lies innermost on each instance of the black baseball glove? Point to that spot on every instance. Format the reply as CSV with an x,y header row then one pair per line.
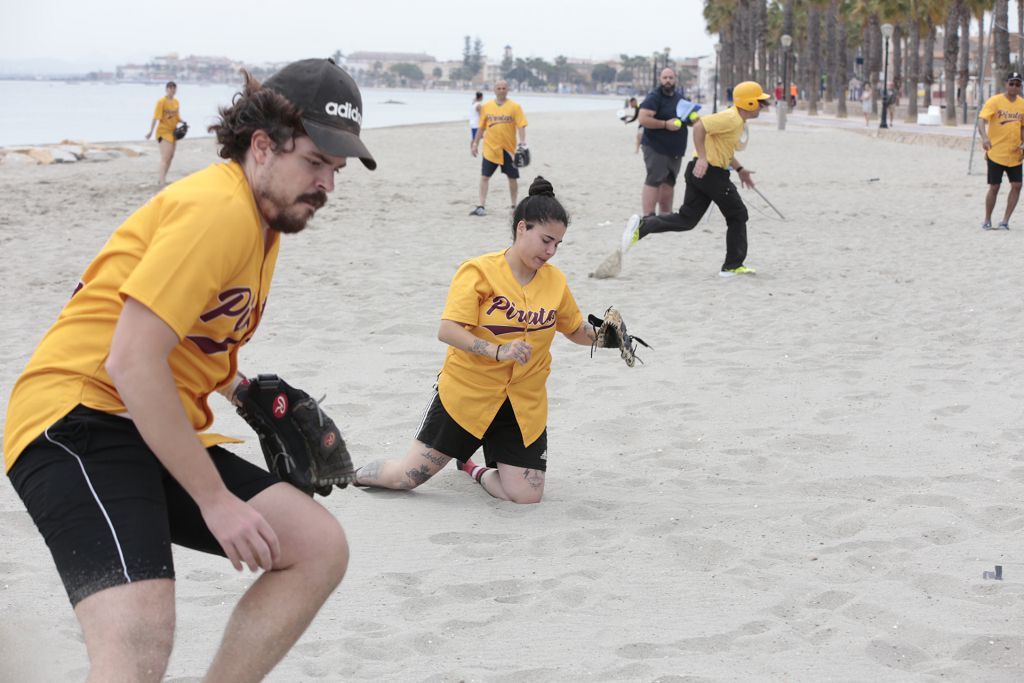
x,y
300,442
612,334
522,156
181,131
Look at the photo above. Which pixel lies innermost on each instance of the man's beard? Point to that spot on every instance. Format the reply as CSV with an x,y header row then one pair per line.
x,y
287,223
668,89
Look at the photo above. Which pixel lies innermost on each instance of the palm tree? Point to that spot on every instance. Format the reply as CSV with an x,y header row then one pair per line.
x,y
978,8
1001,38
841,10
965,59
951,47
813,57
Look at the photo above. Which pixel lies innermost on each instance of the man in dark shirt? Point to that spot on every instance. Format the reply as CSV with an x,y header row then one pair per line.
x,y
663,143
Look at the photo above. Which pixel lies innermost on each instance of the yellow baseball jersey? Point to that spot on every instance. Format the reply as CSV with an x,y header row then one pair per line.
x,y
723,134
500,123
486,298
194,255
1004,128
167,116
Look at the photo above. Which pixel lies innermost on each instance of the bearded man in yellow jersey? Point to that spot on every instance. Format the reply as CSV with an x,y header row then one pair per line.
x,y
999,124
501,121
105,440
166,117
715,140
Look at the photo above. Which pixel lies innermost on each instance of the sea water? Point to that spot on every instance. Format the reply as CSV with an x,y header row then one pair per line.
x,y
41,112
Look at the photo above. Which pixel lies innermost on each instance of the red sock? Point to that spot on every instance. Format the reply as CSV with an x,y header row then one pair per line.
x,y
473,470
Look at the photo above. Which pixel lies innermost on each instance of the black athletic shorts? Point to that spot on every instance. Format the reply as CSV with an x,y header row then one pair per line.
x,y
508,167
108,509
995,172
502,442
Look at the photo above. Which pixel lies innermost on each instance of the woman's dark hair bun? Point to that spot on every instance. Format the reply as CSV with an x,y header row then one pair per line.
x,y
541,187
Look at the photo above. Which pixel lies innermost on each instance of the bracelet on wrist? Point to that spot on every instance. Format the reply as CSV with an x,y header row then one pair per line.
x,y
739,168
496,351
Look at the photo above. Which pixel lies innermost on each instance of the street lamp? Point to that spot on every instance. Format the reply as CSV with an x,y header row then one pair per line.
x,y
887,30
783,105
718,51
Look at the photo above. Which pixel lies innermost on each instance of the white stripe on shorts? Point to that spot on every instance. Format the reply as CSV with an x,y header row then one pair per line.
x,y
426,411
117,542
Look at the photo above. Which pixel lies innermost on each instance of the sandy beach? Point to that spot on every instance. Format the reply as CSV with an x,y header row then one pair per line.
x,y
804,481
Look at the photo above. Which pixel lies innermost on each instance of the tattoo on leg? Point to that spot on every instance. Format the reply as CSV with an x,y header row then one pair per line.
x,y
417,477
439,460
368,474
535,478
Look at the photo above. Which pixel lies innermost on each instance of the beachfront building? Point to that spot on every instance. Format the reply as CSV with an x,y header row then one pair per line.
x,y
390,69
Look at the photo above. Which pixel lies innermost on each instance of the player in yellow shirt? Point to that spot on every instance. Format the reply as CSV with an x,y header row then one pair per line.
x,y
499,321
999,125
166,117
715,140
501,121
105,437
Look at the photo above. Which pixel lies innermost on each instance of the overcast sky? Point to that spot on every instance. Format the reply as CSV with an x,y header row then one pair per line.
x,y
109,32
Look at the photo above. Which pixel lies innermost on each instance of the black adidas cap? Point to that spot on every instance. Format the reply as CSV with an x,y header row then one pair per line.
x,y
331,106
1014,76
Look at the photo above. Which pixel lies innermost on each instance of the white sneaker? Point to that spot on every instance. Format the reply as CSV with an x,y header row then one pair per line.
x,y
631,235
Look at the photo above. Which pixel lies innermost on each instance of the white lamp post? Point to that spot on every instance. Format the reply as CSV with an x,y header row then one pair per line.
x,y
783,105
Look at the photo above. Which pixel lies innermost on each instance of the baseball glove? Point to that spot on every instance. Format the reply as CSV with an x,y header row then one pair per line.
x,y
181,131
522,157
300,442
611,334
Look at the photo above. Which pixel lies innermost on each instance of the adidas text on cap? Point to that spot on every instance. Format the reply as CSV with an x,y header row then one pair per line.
x,y
331,106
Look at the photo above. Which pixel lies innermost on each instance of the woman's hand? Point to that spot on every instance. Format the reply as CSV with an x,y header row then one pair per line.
x,y
519,351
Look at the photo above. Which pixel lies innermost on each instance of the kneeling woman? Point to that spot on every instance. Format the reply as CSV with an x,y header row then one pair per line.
x,y
502,312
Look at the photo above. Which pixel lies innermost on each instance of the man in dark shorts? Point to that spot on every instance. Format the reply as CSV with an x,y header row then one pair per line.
x,y
105,439
999,125
663,144
502,121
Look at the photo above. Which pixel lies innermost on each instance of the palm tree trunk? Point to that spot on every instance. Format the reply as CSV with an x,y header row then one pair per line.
x,y
835,85
813,58
1001,40
950,49
842,66
897,61
913,69
874,58
928,57
964,62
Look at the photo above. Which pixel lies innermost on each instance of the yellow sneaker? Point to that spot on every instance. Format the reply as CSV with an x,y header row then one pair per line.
x,y
631,235
742,270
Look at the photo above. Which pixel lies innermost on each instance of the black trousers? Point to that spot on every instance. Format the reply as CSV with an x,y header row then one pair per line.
x,y
715,187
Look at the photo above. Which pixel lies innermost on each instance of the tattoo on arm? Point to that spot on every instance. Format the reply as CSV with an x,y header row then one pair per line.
x,y
479,347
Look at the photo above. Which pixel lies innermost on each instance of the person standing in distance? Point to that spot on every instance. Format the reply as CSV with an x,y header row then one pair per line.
x,y
715,139
663,143
501,122
105,439
474,115
999,125
166,117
